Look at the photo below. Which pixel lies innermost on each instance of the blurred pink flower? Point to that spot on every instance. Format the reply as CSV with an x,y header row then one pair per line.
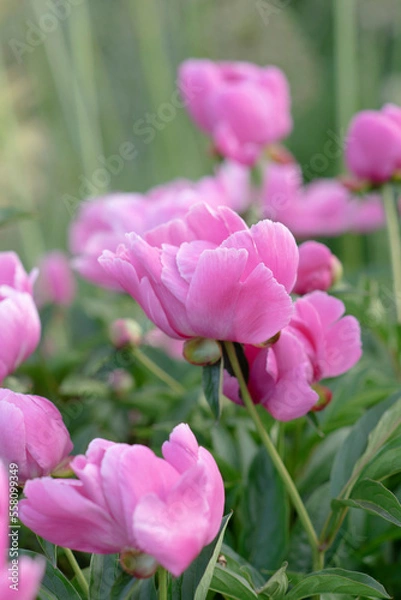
x,y
243,107
19,319
101,223
128,500
55,283
124,332
373,144
157,339
317,343
325,207
24,583
209,275
32,434
318,268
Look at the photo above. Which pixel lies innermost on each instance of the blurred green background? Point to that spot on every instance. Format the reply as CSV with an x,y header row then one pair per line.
x,y
79,78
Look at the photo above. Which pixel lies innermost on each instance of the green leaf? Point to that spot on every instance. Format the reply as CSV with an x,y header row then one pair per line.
x,y
77,385
231,585
386,463
276,587
9,214
203,583
212,382
127,587
356,445
55,585
265,515
337,581
388,426
104,570
49,549
376,499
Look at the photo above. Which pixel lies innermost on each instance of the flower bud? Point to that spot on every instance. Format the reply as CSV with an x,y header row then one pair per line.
x,y
125,332
202,351
318,268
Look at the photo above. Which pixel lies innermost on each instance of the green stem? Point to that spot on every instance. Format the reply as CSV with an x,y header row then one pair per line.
x,y
389,200
275,457
174,385
162,592
77,571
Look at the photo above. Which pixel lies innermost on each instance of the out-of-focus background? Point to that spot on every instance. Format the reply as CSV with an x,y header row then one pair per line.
x,y
88,94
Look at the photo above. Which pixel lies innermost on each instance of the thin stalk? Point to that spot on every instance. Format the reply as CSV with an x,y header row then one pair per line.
x,y
77,571
346,86
274,455
162,592
393,230
30,233
173,384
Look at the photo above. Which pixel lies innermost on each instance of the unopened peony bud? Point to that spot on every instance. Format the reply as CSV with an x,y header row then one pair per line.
x,y
125,332
202,351
318,268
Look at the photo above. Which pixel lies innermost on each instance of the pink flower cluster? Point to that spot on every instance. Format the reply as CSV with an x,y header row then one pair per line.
x,y
198,271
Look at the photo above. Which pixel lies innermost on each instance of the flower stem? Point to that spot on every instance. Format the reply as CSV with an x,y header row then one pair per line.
x,y
172,383
162,592
389,200
77,571
275,457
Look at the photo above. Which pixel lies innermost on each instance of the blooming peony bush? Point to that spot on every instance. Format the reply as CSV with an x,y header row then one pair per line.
x,y
280,365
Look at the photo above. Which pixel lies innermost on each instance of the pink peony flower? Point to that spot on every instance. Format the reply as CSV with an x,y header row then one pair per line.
x,y
373,145
318,268
242,106
208,275
19,319
29,572
318,343
55,284
127,500
101,223
332,342
32,434
322,208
